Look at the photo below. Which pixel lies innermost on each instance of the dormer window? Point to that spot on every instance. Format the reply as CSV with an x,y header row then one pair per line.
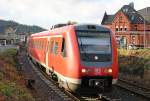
x,y
132,18
125,10
141,19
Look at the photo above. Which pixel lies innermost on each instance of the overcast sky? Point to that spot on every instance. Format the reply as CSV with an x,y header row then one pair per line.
x,y
46,13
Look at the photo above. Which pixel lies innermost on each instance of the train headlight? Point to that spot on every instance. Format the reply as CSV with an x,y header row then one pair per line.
x,y
84,70
109,70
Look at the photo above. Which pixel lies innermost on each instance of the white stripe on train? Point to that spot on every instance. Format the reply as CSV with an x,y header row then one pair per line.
x,y
63,78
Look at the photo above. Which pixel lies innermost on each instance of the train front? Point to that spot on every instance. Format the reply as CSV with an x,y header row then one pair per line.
x,y
98,56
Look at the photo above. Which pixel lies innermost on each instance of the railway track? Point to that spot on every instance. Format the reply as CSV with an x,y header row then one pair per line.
x,y
65,95
51,89
139,90
52,84
85,96
75,97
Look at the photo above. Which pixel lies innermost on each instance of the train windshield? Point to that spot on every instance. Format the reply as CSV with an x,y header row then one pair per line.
x,y
94,46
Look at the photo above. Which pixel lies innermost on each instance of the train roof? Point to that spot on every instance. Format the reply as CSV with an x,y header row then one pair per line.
x,y
91,27
81,27
50,32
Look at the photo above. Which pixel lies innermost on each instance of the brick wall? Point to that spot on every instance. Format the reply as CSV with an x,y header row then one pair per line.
x,y
133,33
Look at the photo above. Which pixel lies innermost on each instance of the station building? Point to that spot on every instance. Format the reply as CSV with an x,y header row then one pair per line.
x,y
131,27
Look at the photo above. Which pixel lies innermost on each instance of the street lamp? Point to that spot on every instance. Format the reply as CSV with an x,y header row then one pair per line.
x,y
144,33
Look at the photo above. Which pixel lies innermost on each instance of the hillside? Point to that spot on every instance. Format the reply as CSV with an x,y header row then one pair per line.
x,y
20,27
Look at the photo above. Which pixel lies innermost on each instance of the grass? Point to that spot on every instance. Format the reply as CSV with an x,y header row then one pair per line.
x,y
134,62
1,75
9,56
15,92
12,86
6,89
134,58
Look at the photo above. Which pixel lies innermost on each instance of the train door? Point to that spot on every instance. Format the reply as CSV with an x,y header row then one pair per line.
x,y
46,55
57,52
50,53
54,50
46,52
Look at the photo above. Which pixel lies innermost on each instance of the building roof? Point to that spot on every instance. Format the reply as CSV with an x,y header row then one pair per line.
x,y
145,12
132,15
107,19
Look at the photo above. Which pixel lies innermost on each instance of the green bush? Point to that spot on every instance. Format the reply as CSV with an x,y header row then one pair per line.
x,y
14,91
1,75
6,89
131,60
9,56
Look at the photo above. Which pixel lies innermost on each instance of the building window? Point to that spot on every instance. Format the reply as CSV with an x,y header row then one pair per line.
x,y
120,28
116,28
133,40
125,28
118,40
120,19
135,27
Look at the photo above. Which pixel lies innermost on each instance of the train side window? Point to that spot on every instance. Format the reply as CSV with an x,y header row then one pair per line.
x,y
38,45
34,44
41,45
56,48
51,46
44,45
63,48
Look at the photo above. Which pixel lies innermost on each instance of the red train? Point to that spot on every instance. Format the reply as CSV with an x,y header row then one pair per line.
x,y
78,56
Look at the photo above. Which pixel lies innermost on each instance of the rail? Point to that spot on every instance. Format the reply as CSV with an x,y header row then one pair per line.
x,y
145,92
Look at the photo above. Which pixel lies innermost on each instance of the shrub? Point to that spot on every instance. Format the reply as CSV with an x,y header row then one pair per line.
x,y
15,92
9,56
1,75
6,89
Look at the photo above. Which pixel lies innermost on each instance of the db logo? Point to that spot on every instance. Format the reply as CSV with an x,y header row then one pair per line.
x,y
97,71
